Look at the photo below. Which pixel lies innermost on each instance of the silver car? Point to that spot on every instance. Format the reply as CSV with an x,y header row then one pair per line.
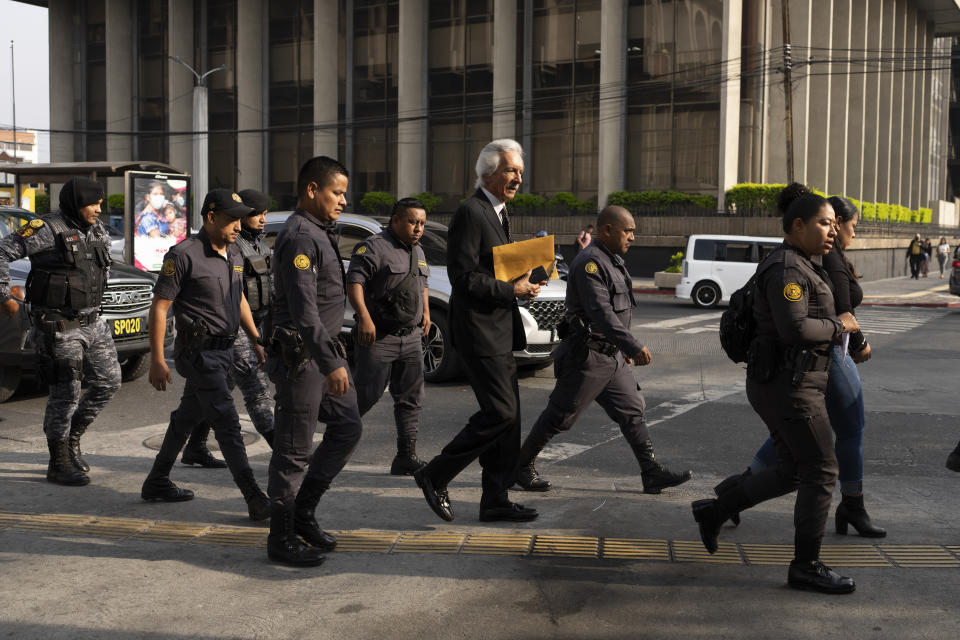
x,y
540,316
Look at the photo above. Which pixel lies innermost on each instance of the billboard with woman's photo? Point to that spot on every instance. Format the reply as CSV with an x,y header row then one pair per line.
x,y
157,215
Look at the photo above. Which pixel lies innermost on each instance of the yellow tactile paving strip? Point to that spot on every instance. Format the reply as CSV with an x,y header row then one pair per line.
x,y
505,544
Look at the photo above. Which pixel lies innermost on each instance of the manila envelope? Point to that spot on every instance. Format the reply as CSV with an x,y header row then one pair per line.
x,y
512,261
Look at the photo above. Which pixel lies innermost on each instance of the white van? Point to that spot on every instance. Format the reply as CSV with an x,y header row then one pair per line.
x,y
716,266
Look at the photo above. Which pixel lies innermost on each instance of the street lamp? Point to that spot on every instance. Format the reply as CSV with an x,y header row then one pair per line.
x,y
200,147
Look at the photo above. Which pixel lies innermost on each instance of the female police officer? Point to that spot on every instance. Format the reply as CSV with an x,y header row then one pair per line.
x,y
786,379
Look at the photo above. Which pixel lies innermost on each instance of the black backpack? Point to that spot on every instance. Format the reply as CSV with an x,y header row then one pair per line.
x,y
737,325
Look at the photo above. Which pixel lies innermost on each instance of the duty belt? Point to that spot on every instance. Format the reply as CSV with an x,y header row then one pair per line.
x,y
62,323
802,360
602,346
405,331
216,343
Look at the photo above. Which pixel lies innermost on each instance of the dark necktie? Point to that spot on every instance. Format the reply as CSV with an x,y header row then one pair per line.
x,y
505,221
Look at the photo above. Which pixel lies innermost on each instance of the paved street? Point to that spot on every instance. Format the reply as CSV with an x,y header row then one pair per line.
x,y
603,560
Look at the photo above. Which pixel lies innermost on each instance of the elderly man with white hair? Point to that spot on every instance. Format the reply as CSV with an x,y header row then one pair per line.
x,y
485,329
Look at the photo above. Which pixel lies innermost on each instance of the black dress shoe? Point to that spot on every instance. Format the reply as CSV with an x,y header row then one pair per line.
x,y
202,457
707,515
953,460
165,492
438,499
511,511
816,576
657,479
529,480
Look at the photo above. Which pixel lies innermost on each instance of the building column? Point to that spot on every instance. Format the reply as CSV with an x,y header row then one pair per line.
x,y
180,84
250,38
730,99
60,23
119,71
841,104
505,69
611,96
325,81
411,105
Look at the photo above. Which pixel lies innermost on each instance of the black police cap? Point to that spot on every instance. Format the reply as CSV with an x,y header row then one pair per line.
x,y
227,202
256,199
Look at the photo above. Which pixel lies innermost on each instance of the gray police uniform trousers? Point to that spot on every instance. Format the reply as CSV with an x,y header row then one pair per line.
x,y
399,361
300,404
253,383
584,375
88,353
801,432
206,399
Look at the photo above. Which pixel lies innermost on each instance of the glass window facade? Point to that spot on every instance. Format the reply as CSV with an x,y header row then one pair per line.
x,y
460,67
291,95
95,112
220,47
152,78
673,94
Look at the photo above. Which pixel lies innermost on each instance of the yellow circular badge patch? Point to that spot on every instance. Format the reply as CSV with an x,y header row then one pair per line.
x,y
301,262
792,292
169,267
36,223
590,267
26,232
362,249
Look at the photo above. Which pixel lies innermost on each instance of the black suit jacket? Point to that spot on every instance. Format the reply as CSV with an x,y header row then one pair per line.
x,y
484,317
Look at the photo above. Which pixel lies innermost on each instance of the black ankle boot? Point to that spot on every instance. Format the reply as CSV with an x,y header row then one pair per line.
x,y
851,511
73,440
709,520
60,469
158,486
304,517
406,460
953,460
283,544
816,576
258,505
529,480
196,451
655,476
729,483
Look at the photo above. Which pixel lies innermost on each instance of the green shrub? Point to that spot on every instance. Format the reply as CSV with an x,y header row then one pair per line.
x,y
926,215
869,210
634,199
883,211
564,200
753,196
43,203
377,203
526,203
115,203
676,263
274,205
430,200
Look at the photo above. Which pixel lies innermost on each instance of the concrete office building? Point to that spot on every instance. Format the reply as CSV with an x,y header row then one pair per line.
x,y
603,94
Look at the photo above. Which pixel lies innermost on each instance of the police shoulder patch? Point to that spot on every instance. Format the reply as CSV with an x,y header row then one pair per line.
x,y
360,250
238,268
302,262
36,223
590,267
422,263
792,292
25,231
169,267
236,198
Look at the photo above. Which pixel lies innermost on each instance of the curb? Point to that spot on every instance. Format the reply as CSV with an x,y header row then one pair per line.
x,y
662,292
925,305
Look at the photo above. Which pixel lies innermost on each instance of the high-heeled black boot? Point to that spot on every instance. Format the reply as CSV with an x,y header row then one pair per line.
x,y
851,512
729,483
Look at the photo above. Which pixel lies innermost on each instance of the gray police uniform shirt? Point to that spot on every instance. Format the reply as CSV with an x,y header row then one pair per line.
x,y
796,302
32,238
308,281
203,284
380,263
600,292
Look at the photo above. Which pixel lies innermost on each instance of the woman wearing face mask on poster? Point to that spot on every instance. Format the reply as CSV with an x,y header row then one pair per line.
x,y
151,215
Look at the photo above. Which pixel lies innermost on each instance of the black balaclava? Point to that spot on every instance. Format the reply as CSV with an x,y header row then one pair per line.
x,y
78,193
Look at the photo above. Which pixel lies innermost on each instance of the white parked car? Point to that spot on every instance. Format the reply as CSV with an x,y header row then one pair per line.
x,y
540,316
716,266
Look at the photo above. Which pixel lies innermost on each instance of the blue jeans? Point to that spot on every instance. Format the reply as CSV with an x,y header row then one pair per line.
x,y
844,398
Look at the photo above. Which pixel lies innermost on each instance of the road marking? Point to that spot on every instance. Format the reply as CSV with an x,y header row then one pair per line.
x,y
557,452
676,322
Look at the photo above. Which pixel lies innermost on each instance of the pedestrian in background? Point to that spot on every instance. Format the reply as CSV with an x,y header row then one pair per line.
x,y
69,253
943,252
387,287
796,323
927,253
844,393
915,256
584,238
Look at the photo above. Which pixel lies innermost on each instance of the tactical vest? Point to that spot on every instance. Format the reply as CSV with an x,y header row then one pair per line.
x,y
256,275
72,274
398,307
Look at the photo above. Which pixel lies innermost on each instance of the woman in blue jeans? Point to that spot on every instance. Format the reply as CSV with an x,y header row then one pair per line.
x,y
844,394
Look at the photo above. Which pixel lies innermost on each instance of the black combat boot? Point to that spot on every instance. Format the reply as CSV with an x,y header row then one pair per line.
x,y
527,477
406,460
304,517
807,572
283,544
73,440
529,480
196,451
851,511
655,476
61,469
953,460
258,505
727,484
158,486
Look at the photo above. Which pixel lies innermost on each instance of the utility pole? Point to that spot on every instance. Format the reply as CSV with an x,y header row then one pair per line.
x,y
200,144
13,104
788,86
